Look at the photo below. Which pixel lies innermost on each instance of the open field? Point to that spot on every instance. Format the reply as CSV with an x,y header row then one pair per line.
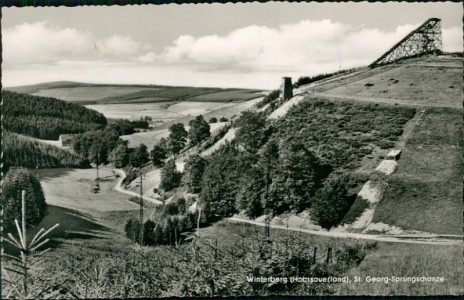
x,y
408,84
174,112
150,138
195,94
227,110
196,108
88,93
72,188
157,111
122,93
232,95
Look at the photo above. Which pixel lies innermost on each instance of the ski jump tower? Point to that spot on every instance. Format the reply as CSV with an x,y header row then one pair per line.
x,y
426,39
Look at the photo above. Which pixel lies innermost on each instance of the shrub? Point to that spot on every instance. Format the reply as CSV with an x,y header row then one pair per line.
x,y
385,144
223,119
213,120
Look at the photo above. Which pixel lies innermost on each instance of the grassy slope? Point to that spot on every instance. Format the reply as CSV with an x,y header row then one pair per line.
x,y
415,84
425,193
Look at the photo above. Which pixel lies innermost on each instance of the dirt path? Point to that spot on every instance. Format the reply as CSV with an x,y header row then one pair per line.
x,y
405,239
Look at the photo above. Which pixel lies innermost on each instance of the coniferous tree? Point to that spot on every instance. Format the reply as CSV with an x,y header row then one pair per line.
x,y
15,181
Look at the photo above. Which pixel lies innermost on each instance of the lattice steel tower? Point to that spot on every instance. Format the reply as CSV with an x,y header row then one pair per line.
x,y
426,39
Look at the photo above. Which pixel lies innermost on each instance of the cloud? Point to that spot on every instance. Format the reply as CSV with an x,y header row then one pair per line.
x,y
44,42
314,46
253,56
298,45
452,39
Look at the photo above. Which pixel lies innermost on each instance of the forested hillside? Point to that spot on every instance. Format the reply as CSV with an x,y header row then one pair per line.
x,y
303,161
19,151
47,118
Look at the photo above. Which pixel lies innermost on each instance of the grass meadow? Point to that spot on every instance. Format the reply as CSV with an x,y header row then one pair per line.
x,y
425,193
415,84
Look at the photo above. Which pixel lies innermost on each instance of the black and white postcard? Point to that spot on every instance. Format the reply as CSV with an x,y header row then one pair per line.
x,y
248,149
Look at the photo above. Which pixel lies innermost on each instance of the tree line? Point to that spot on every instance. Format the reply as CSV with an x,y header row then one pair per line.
x,y
47,118
24,152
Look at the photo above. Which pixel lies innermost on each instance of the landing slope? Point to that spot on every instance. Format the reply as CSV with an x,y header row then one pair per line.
x,y
425,192
433,82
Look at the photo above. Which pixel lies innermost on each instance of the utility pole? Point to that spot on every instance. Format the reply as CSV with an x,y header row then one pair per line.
x,y
141,198
98,161
268,221
141,207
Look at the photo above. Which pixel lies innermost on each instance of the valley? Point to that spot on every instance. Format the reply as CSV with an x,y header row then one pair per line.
x,y
349,125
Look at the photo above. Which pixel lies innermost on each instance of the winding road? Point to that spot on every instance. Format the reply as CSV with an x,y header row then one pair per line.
x,y
405,239
118,187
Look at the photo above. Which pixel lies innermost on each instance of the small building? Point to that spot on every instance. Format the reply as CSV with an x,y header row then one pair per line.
x,y
66,139
394,154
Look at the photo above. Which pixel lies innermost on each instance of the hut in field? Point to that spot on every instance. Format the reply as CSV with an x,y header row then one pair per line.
x,y
66,139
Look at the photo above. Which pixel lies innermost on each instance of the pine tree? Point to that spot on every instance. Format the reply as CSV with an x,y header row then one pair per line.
x,y
17,180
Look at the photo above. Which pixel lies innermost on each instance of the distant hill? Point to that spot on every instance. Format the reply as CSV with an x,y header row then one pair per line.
x,y
86,93
21,151
47,118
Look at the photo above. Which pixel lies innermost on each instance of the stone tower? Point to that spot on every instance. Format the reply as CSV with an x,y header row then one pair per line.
x,y
286,91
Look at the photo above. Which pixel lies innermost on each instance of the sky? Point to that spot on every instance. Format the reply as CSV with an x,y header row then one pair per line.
x,y
251,45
